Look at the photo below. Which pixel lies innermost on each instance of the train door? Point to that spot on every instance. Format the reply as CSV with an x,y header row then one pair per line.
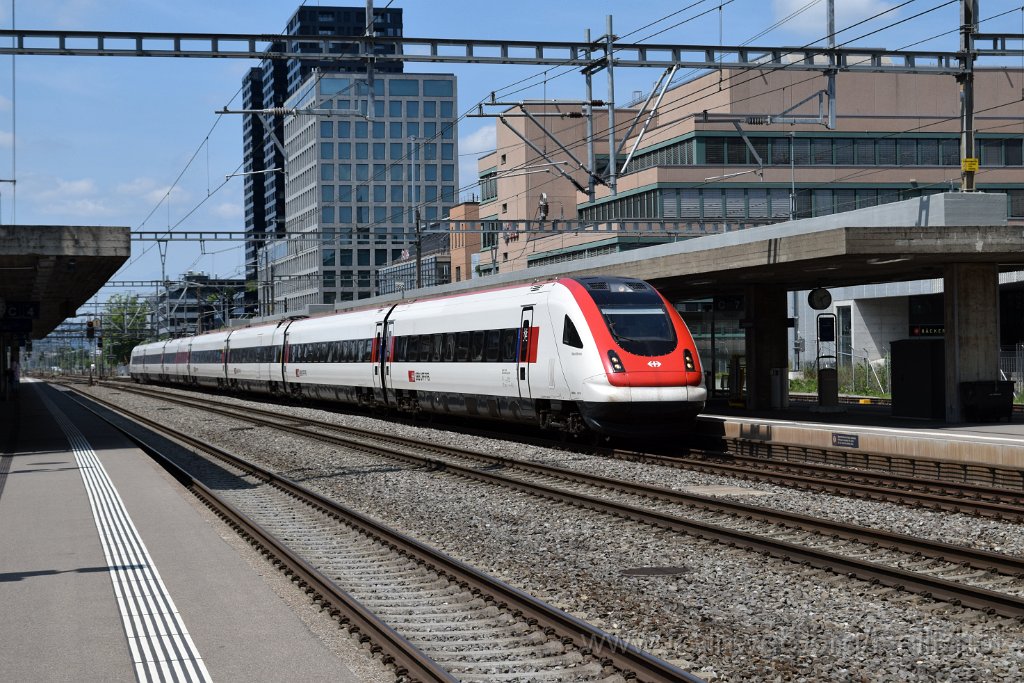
x,y
526,344
377,358
280,341
261,361
389,332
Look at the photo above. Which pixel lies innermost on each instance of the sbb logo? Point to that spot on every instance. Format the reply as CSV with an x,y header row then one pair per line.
x,y
654,363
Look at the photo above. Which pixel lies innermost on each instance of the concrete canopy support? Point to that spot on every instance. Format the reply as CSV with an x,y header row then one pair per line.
x,y
972,329
767,342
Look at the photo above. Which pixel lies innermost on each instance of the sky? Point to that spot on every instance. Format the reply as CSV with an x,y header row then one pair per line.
x,y
136,141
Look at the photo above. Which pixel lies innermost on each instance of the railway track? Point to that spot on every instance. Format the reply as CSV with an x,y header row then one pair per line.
x,y
984,580
957,497
936,494
432,617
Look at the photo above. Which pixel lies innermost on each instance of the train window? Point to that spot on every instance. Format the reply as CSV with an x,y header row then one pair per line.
x,y
438,344
346,351
425,346
476,346
449,347
570,336
645,331
462,346
509,338
400,345
492,343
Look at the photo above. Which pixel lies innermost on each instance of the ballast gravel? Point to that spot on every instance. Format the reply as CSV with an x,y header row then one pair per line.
x,y
721,613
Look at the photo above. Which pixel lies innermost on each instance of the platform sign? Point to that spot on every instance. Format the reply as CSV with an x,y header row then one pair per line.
x,y
20,310
729,303
16,325
969,165
845,440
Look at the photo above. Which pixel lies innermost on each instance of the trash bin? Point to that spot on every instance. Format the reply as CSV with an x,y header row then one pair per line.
x,y
986,401
780,388
828,387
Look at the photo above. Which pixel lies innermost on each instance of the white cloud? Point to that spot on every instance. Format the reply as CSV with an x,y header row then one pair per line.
x,y
61,190
479,141
811,23
228,211
150,192
6,139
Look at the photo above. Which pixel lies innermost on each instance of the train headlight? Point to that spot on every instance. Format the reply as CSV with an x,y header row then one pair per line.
x,y
617,365
688,360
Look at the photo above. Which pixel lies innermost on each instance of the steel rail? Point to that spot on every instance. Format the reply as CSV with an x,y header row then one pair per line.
x,y
956,593
993,509
996,509
607,648
407,659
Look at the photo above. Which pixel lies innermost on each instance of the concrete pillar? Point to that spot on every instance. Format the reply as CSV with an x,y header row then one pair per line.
x,y
972,329
5,388
767,342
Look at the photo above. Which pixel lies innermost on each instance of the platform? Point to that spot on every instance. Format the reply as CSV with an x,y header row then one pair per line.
x,y
872,428
109,572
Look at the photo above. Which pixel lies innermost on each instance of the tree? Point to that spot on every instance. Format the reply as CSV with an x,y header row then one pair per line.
x,y
125,326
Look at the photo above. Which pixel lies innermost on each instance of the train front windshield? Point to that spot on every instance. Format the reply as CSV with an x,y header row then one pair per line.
x,y
641,330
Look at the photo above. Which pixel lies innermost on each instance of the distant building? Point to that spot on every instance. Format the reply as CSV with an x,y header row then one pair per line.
x,y
270,85
897,137
435,267
195,304
360,179
464,245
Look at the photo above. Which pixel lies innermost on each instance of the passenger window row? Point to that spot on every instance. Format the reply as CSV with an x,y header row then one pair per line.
x,y
255,354
488,346
210,356
341,351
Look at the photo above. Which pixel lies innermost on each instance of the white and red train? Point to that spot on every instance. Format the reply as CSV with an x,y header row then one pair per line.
x,y
607,354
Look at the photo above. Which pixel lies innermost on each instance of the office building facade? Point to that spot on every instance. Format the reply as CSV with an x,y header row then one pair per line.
x,y
359,180
271,84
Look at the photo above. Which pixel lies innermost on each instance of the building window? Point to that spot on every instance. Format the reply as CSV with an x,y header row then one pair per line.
x,y
433,88
714,151
990,152
907,150
1012,153
864,152
403,87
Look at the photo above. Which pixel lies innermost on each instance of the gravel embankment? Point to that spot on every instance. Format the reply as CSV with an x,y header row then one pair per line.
x,y
727,615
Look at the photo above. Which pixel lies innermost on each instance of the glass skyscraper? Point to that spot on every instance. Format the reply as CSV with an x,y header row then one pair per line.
x,y
359,172
270,85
